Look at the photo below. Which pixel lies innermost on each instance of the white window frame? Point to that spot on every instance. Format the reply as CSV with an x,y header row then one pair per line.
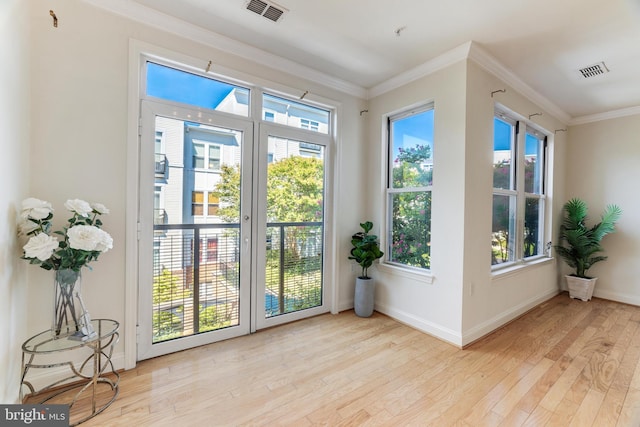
x,y
424,273
206,158
139,53
518,154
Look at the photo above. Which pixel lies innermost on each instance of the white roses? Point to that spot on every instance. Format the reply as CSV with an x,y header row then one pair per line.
x,y
89,238
41,246
83,242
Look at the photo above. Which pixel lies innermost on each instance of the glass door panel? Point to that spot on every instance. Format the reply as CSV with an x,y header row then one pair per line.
x,y
195,288
291,267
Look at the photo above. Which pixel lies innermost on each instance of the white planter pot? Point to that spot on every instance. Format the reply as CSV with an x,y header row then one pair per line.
x,y
580,288
363,297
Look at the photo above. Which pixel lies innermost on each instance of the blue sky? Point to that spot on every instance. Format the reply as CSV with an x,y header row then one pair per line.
x,y
174,85
502,138
413,130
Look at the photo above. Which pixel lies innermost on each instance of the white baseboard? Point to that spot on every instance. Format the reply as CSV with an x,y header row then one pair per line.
x,y
505,317
475,333
617,296
438,331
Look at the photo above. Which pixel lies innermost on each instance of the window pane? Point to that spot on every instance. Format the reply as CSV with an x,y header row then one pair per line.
x,y
295,114
411,228
532,232
503,229
180,86
534,145
503,148
197,199
214,157
198,156
411,148
213,203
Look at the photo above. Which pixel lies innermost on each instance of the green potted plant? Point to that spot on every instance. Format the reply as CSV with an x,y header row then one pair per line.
x,y
580,245
365,251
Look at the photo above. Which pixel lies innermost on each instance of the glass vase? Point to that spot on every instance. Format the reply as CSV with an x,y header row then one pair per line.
x,y
67,312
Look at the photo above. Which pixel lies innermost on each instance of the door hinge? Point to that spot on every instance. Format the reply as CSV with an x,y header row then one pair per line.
x,y
139,230
140,126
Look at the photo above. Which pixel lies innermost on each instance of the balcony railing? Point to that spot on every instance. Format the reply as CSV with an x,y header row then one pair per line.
x,y
207,275
160,216
161,167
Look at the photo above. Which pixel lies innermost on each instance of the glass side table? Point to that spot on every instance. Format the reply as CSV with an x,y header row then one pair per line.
x,y
83,380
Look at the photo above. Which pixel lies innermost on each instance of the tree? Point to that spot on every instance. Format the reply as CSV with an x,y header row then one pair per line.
x,y
295,187
165,287
411,223
228,192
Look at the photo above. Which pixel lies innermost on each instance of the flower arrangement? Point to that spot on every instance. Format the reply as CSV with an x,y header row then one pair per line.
x,y
82,239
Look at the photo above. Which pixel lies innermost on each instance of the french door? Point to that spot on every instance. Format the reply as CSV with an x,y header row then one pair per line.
x,y
231,227
195,247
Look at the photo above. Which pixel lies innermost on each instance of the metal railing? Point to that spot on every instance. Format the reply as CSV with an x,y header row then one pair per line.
x,y
161,165
209,271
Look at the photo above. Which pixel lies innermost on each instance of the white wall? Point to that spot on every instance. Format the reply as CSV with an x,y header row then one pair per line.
x,y
465,300
80,116
14,179
490,300
602,169
435,307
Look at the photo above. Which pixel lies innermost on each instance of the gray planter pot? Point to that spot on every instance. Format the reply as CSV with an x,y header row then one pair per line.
x,y
363,298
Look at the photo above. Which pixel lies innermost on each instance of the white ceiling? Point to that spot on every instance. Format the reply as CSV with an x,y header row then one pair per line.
x,y
543,42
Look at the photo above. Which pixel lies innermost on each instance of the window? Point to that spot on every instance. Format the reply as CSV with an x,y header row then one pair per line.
x,y
213,203
295,114
518,191
198,156
197,203
214,157
309,124
198,206
409,183
188,88
212,160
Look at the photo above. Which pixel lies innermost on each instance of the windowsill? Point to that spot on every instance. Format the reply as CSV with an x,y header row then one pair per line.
x,y
409,273
505,272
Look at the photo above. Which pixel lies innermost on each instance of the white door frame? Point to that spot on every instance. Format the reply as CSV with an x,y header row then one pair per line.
x,y
149,111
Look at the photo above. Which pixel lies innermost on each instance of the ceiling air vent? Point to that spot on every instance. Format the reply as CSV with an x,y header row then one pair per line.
x,y
268,10
594,70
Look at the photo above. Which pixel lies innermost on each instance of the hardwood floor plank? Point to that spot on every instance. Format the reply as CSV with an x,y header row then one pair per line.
x,y
630,412
566,362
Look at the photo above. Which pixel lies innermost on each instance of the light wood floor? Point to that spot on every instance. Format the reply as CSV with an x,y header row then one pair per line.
x,y
565,363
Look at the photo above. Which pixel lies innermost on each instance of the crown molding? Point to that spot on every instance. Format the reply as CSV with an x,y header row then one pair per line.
x,y
153,18
624,112
454,55
489,63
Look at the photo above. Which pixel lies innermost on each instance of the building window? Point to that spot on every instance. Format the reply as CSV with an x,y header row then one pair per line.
x,y
295,114
213,204
309,124
214,157
198,206
212,249
409,185
518,220
198,156
197,203
206,154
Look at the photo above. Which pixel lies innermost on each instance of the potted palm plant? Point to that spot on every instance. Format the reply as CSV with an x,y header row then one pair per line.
x,y
365,251
580,245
